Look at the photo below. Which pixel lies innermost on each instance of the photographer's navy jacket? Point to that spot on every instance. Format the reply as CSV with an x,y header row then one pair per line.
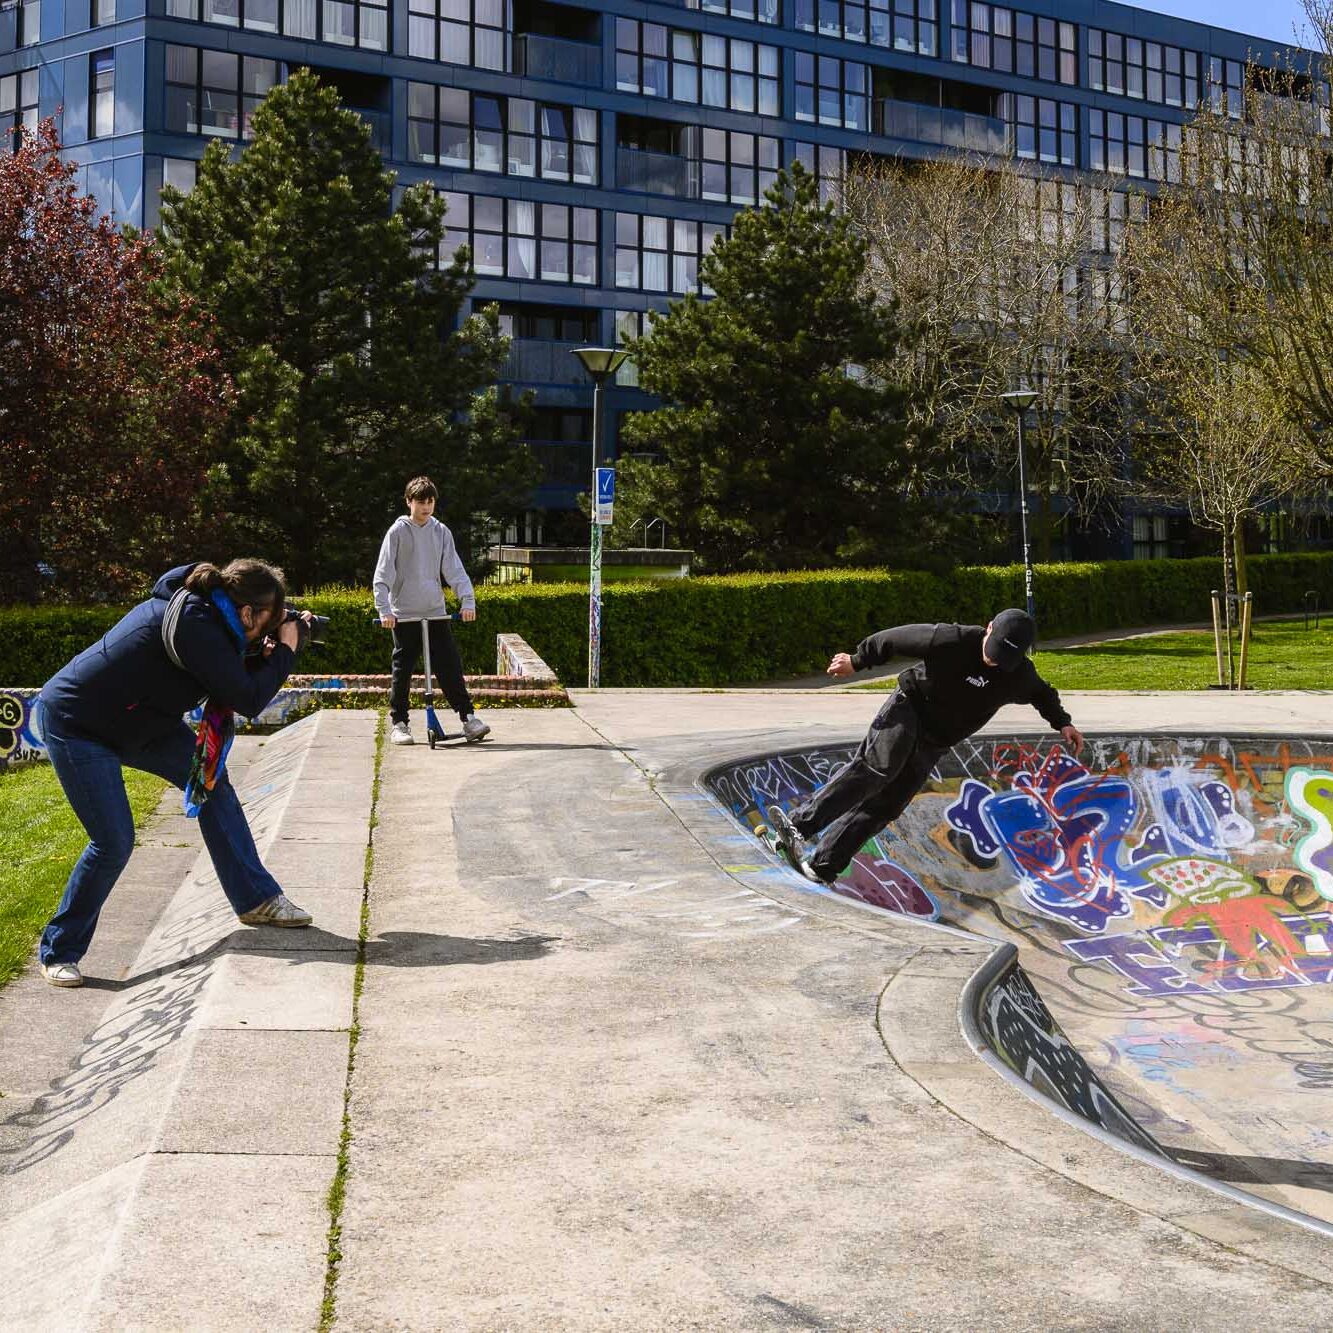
x,y
125,691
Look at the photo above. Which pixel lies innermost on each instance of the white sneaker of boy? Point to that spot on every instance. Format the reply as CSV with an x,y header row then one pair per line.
x,y
400,735
474,729
63,974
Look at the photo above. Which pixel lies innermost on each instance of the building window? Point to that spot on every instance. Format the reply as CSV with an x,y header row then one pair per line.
x,y
451,127
833,92
215,93
460,32
736,167
102,12
631,324
180,173
758,11
827,165
101,94
18,105
1226,87
1150,71
518,238
1133,146
30,22
1008,40
656,61
1152,537
662,254
902,25
363,23
1042,130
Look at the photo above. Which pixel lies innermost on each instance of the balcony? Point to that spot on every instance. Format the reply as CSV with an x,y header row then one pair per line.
x,y
381,127
657,173
558,59
543,361
963,130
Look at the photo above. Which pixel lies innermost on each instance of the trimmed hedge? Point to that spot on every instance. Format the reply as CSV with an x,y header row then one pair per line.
x,y
729,629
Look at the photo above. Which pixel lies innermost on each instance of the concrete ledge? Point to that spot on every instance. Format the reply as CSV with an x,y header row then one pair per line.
x,y
197,1132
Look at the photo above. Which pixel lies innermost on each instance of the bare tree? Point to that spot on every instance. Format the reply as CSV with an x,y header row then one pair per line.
x,y
996,268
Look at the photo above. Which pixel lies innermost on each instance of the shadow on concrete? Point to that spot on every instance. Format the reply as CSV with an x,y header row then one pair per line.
x,y
127,1043
1243,1170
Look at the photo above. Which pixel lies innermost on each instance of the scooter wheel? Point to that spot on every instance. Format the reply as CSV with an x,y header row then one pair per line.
x,y
432,736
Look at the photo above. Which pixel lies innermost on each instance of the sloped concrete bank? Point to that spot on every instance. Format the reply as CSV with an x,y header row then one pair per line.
x,y
174,1174
1183,867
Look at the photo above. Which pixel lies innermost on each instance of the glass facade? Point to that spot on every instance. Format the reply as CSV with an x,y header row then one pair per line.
x,y
590,159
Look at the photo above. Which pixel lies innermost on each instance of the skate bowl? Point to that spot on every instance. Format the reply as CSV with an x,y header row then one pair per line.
x,y
1164,926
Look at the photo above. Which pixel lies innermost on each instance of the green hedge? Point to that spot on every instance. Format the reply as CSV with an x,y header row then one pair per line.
x,y
730,629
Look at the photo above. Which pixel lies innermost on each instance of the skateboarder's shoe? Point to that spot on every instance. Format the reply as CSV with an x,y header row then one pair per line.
x,y
401,734
474,729
790,842
817,876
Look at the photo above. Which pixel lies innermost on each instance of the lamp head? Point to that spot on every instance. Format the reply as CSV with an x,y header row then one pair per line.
x,y
600,362
1019,399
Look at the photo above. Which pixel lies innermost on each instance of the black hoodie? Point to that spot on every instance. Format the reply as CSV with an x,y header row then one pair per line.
x,y
953,691
125,691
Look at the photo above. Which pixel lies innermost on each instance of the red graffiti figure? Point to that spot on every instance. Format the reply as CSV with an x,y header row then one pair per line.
x,y
1244,926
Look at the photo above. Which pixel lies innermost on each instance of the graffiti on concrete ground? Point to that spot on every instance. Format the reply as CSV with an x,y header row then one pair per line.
x,y
1183,866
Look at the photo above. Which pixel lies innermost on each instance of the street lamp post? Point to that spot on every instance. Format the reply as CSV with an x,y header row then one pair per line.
x,y
600,363
1020,400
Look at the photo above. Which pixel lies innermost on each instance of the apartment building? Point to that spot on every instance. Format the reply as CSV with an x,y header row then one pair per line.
x,y
593,152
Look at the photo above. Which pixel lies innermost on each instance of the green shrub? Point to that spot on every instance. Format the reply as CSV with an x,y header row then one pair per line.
x,y
729,629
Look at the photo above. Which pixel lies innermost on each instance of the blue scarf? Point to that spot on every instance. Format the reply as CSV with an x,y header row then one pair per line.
x,y
217,729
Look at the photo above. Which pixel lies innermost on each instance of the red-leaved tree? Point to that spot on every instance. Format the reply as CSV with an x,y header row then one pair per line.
x,y
109,391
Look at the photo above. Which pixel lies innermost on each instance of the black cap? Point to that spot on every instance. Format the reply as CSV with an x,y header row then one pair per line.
x,y
1012,634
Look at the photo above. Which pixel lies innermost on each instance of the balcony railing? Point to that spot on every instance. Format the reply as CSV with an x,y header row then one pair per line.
x,y
936,125
543,361
657,173
381,127
555,58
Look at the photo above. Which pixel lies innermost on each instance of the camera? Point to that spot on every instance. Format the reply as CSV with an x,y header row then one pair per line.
x,y
315,630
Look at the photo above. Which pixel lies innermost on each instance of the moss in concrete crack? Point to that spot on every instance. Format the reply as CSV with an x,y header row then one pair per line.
x,y
338,1189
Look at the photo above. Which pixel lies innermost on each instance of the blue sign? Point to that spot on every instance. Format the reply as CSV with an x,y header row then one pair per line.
x,y
606,496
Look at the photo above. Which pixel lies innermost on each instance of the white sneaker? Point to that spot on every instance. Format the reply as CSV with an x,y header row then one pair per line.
x,y
474,729
400,735
63,974
278,911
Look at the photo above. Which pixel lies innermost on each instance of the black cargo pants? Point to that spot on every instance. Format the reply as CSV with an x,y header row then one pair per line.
x,y
873,788
445,664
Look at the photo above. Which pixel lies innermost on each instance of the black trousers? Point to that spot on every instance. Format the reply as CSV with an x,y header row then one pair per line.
x,y
445,665
872,789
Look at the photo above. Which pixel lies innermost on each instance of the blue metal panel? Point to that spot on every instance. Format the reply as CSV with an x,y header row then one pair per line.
x,y
129,87
75,128
127,193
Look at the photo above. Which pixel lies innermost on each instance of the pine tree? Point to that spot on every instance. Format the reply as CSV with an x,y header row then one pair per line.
x,y
774,450
341,338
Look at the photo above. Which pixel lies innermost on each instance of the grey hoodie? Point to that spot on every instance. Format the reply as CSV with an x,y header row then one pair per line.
x,y
413,561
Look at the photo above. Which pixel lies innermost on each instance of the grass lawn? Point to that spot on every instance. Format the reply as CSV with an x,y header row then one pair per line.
x,y
39,842
1283,656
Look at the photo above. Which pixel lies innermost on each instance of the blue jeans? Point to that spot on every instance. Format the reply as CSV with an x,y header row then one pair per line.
x,y
90,773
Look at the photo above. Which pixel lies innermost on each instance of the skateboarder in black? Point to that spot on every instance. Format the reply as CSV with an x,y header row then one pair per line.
x,y
966,675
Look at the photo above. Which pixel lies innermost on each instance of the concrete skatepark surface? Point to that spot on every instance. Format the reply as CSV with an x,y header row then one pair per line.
x,y
1169,900
614,1069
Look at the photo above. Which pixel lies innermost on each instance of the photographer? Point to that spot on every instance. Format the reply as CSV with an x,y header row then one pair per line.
x,y
224,634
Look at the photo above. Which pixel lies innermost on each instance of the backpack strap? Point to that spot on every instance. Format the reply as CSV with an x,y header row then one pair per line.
x,y
170,620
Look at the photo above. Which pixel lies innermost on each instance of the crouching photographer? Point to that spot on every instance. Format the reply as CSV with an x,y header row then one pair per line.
x,y
224,638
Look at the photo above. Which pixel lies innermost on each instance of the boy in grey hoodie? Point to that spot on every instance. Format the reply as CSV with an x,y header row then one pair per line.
x,y
417,553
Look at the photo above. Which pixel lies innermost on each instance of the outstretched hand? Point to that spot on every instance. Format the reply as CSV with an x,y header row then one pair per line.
x,y
1073,738
841,665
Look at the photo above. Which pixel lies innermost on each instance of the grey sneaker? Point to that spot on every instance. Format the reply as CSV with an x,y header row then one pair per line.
x,y
278,911
400,735
63,974
812,874
790,843
474,729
